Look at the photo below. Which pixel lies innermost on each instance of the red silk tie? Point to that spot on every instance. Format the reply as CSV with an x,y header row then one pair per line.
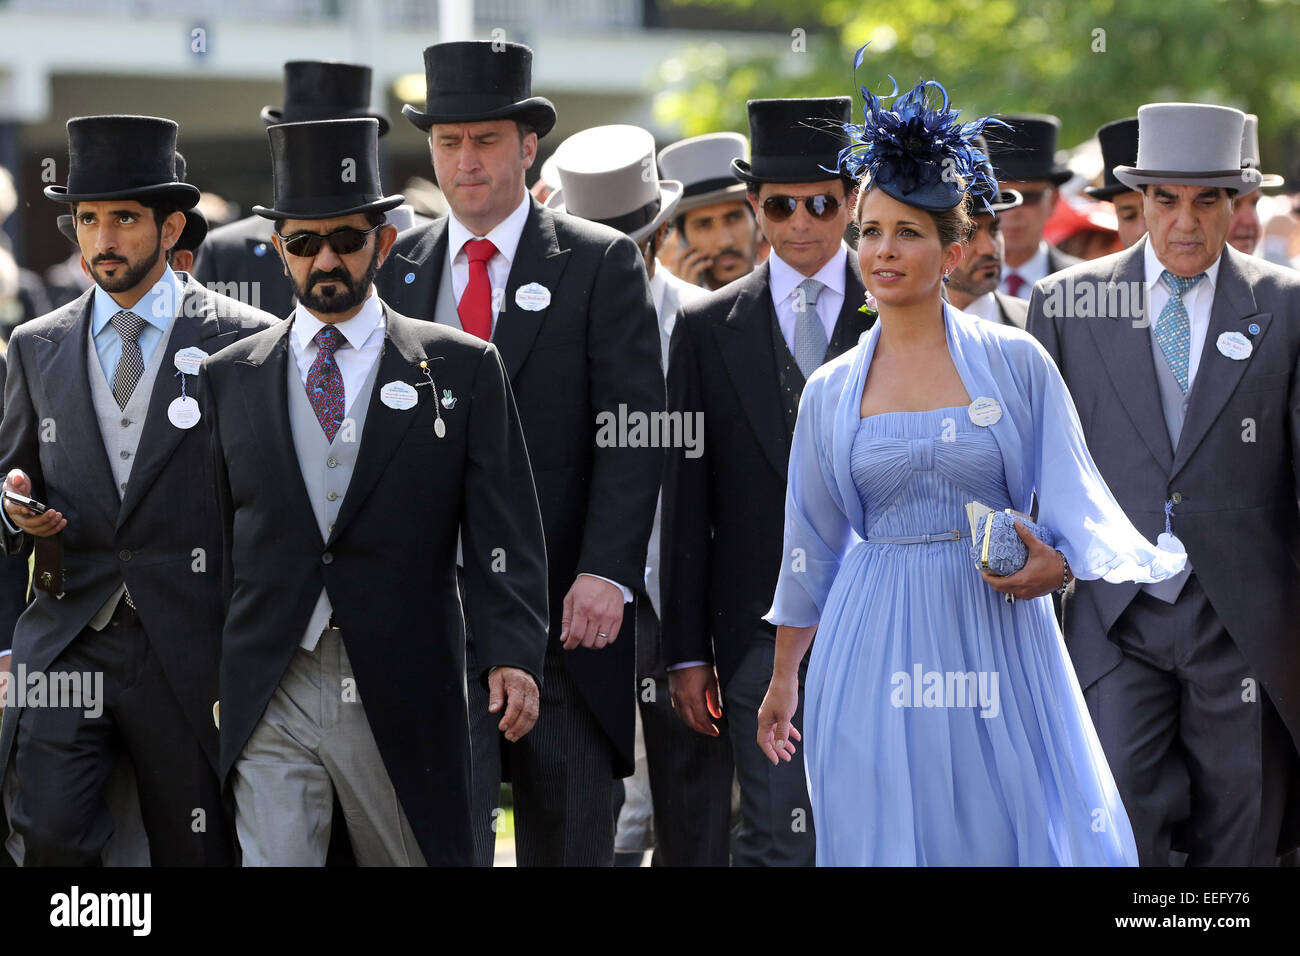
x,y
475,308
1014,283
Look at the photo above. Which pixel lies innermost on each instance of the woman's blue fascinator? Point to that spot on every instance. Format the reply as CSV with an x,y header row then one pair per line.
x,y
918,153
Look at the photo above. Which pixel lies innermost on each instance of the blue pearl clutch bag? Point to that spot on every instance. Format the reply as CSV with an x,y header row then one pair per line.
x,y
995,546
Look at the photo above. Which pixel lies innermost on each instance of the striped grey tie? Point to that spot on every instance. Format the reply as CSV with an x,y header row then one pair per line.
x,y
130,366
809,333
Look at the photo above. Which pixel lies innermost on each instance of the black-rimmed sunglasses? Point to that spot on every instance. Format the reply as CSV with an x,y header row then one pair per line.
x,y
822,206
343,241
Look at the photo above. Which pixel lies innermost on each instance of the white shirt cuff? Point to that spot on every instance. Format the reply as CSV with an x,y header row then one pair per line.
x,y
627,592
9,525
5,653
678,667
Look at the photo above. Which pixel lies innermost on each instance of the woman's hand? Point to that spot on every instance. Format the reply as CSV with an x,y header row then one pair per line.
x,y
776,735
1041,574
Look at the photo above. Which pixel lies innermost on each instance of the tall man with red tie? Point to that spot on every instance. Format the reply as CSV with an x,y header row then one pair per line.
x,y
568,305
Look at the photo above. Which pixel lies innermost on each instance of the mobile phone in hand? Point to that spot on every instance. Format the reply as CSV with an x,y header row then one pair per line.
x,y
31,504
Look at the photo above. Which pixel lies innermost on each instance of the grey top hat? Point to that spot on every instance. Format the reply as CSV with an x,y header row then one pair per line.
x,y
1190,144
703,165
608,175
1250,152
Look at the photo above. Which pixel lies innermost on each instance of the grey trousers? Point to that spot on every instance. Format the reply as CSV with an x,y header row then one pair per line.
x,y
1200,756
314,741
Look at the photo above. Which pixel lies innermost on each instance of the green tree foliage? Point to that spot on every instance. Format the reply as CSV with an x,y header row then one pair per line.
x,y
1086,61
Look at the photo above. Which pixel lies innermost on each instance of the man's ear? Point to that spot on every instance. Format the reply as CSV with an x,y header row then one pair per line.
x,y
278,242
171,230
386,237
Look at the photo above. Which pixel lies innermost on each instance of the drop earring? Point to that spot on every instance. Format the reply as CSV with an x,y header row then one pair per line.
x,y
945,274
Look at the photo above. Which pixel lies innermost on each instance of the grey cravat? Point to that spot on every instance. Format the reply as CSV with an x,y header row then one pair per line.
x,y
130,365
809,333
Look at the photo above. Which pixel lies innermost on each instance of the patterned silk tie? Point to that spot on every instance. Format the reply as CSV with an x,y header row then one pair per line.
x,y
325,382
1015,283
130,365
809,333
475,308
1174,329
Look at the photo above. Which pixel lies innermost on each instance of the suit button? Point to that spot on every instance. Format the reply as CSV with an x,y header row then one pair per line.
x,y
333,462
332,496
124,454
1176,497
126,423
124,555
327,558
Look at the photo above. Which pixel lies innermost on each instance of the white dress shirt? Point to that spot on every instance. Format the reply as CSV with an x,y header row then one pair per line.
x,y
505,236
1197,300
364,333
783,281
986,307
1031,270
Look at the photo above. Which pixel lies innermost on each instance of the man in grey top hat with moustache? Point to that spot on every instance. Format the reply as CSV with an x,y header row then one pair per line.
x,y
716,236
608,175
100,424
567,303
353,448
1185,370
1024,158
238,258
739,357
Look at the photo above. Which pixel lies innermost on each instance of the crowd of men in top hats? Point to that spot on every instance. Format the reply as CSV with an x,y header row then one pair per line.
x,y
341,567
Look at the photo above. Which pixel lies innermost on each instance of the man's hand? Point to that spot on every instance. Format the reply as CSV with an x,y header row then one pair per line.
x,y
1040,575
685,262
40,526
516,690
695,697
593,613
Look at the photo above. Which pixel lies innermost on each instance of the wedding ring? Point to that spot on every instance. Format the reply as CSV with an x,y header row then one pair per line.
x,y
598,634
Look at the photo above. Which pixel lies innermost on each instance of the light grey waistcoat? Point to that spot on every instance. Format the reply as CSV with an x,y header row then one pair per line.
x,y
120,428
326,466
444,304
1173,404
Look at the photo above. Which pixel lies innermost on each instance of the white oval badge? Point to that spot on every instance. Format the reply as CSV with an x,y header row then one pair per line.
x,y
1235,346
985,411
184,412
532,297
398,395
188,360
439,428
1170,542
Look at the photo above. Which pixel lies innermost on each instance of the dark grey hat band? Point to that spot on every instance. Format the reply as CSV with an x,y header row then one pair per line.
x,y
634,220
709,186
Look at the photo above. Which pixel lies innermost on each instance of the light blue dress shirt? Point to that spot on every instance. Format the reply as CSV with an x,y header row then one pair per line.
x,y
158,307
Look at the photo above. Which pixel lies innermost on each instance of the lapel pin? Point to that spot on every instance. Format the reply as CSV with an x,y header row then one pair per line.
x,y
1235,346
1254,328
448,400
984,411
259,249
409,278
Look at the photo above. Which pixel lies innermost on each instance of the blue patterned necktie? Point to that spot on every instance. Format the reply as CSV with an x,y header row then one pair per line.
x,y
809,333
325,382
1174,329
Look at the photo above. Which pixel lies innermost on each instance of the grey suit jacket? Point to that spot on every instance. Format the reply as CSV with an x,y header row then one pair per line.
x,y
1233,475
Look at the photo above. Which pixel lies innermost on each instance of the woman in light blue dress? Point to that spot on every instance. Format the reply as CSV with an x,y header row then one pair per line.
x,y
943,723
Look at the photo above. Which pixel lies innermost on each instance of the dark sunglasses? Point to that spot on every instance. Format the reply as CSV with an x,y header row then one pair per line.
x,y
1032,196
780,208
343,241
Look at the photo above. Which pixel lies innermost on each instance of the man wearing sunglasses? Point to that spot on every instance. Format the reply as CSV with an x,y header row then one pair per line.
x,y
353,449
740,356
1024,158
567,303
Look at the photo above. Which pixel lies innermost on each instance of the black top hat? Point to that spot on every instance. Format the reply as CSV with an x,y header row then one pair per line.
x,y
1027,150
122,157
326,169
795,140
984,203
196,224
324,89
1119,147
469,81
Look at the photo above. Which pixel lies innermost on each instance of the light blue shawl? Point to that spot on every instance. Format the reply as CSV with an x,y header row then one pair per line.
x,y
1043,452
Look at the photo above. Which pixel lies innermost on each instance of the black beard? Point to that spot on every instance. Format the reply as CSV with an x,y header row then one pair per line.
x,y
332,303
133,275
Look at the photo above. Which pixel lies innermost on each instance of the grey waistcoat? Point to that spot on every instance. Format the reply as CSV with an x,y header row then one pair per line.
x,y
444,304
122,441
326,466
1173,404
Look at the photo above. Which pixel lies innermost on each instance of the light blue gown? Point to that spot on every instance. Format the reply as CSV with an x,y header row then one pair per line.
x,y
943,726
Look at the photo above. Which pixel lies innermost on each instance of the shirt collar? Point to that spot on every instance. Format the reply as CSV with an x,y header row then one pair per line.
x,y
158,306
783,278
1154,267
505,235
356,329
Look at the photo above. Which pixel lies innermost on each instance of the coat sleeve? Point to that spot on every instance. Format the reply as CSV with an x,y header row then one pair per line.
x,y
19,437
504,547
817,532
686,542
14,575
624,371
220,481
